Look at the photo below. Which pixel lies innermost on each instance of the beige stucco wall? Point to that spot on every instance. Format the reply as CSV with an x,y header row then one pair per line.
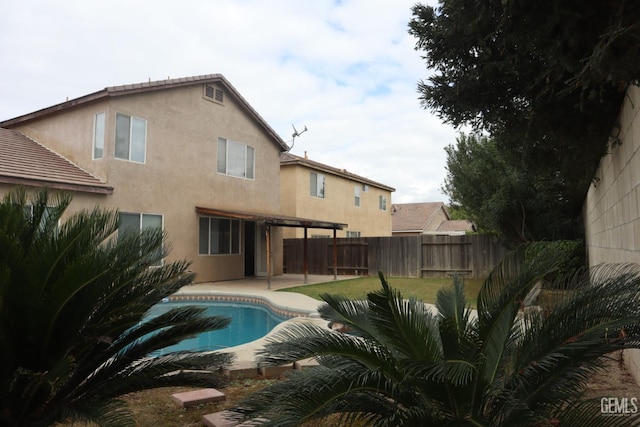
x,y
179,173
612,206
338,205
81,201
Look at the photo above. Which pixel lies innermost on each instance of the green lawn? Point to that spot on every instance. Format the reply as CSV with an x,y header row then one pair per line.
x,y
424,289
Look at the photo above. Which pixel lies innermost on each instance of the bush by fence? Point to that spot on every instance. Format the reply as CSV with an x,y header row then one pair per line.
x,y
403,256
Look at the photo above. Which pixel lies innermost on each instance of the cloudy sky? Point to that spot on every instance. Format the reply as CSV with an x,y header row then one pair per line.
x,y
346,69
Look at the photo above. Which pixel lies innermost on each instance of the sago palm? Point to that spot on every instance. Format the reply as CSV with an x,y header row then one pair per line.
x,y
73,301
402,363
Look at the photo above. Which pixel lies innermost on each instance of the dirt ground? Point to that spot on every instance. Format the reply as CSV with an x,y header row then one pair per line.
x,y
616,391
617,381
155,408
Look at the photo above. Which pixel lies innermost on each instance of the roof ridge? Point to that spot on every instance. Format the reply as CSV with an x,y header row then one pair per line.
x,y
167,81
328,168
126,89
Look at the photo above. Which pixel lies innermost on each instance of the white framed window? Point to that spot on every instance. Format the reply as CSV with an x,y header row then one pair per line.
x,y
28,210
353,234
357,190
218,236
98,135
365,188
317,182
382,203
236,159
132,222
131,138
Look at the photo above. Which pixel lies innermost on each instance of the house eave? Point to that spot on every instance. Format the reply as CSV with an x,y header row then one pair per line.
x,y
30,182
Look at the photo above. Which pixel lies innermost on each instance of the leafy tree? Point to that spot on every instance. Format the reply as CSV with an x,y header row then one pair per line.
x,y
73,301
545,79
504,195
405,364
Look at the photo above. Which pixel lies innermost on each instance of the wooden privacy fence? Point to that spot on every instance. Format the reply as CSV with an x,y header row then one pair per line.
x,y
402,256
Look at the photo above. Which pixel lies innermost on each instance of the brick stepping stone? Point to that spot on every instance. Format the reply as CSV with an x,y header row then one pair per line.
x,y
222,419
218,419
188,399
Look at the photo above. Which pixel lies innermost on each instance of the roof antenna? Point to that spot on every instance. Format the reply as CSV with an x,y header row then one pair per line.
x,y
295,134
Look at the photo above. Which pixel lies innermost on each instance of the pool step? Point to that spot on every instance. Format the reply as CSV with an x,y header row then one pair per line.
x,y
188,399
221,419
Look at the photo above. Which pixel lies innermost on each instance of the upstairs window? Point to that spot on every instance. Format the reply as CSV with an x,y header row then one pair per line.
x,y
236,159
131,138
357,191
316,188
382,203
98,136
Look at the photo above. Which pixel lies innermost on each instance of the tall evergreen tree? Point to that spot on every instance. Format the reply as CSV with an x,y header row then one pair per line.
x,y
545,79
503,194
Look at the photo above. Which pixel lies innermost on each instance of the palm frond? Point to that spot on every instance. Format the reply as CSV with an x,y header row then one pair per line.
x,y
350,313
589,413
407,327
318,392
112,412
301,341
70,299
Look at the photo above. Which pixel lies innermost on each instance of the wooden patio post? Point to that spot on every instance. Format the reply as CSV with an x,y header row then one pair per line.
x,y
268,256
335,255
305,261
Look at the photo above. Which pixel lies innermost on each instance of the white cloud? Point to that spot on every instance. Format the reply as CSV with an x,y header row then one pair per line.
x,y
346,69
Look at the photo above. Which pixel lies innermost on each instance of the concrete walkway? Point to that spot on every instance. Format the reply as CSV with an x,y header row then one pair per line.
x,y
259,288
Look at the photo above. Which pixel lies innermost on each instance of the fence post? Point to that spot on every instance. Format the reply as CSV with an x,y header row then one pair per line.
x,y
419,255
335,255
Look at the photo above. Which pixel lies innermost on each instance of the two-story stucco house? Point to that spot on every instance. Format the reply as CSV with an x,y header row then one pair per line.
x,y
189,155
310,189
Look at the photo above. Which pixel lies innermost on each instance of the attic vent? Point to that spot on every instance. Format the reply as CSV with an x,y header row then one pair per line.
x,y
214,93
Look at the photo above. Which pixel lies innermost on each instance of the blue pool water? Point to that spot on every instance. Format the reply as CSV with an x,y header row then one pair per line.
x,y
249,322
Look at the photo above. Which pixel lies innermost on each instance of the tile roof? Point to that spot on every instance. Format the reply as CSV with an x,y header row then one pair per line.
x,y
150,86
23,161
456,225
414,217
288,159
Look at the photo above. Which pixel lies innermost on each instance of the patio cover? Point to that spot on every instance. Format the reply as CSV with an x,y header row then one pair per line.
x,y
271,219
282,221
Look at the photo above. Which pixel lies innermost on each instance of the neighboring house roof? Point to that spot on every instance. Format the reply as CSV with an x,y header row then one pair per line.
x,y
288,159
23,161
453,225
415,217
114,91
420,218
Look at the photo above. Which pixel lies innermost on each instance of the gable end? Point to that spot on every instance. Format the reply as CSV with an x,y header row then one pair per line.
x,y
212,93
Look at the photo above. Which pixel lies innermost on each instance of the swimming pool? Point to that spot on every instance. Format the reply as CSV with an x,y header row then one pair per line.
x,y
249,322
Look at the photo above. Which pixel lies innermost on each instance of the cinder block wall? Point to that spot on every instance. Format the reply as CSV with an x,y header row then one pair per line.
x,y
612,206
